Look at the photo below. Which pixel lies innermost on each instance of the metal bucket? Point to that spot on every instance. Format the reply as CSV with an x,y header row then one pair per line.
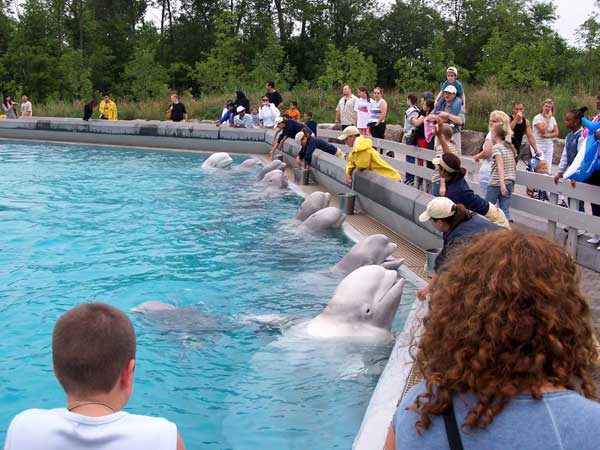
x,y
302,176
430,257
346,202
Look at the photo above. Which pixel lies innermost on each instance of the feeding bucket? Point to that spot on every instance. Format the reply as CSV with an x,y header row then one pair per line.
x,y
346,202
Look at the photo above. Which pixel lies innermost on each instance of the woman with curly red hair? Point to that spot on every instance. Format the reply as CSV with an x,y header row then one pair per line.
x,y
506,356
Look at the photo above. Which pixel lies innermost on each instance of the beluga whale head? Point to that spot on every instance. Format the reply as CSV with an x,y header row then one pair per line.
x,y
363,306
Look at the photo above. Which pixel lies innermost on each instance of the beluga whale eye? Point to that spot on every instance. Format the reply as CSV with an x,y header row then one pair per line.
x,y
366,309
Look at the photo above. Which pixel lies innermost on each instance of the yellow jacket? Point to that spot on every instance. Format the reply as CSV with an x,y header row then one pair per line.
x,y
364,156
108,110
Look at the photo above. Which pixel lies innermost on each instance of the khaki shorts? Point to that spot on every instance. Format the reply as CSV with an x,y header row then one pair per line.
x,y
496,215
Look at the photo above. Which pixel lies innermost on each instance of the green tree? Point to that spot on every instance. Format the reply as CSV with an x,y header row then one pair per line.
x,y
144,76
349,66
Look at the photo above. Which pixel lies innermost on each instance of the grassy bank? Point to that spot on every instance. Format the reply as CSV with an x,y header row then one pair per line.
x,y
481,100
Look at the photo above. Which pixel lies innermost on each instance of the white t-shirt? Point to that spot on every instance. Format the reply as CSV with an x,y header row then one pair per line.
x,y
363,112
539,140
59,429
26,108
268,114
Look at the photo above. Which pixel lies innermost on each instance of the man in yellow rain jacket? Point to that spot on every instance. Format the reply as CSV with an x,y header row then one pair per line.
x,y
108,109
364,156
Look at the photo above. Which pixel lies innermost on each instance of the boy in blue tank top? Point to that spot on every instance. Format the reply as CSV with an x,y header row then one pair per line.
x,y
93,353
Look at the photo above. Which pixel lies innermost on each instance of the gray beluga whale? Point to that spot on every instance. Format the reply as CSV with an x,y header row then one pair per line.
x,y
275,179
325,219
363,306
313,203
220,160
273,165
376,249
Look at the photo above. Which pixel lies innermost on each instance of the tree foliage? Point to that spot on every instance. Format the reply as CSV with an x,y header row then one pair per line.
x,y
69,49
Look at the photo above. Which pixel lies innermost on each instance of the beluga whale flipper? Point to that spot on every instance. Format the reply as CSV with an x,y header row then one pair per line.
x,y
313,203
363,306
273,165
220,160
376,249
325,219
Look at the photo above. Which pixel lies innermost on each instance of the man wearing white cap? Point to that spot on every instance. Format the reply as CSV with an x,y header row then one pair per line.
x,y
457,226
285,128
242,120
309,143
450,111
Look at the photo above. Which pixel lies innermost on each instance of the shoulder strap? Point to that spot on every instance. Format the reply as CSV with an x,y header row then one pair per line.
x,y
452,431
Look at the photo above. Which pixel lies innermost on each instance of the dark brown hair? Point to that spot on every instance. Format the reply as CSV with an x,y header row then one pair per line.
x,y
91,344
460,215
453,162
495,331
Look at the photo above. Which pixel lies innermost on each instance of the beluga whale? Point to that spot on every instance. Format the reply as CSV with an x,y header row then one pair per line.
x,y
325,219
273,165
363,306
376,249
247,165
313,203
220,160
275,179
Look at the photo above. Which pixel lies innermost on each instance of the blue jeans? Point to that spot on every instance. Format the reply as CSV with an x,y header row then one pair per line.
x,y
435,188
494,196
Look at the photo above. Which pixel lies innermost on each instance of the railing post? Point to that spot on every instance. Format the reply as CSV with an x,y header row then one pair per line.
x,y
572,231
551,223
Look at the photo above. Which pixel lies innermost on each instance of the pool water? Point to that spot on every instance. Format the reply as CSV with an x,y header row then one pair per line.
x,y
125,226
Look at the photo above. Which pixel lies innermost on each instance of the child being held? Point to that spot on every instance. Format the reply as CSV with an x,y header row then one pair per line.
x,y
461,98
255,118
293,112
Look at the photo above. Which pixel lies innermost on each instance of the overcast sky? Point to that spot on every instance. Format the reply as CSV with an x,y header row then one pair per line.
x,y
571,14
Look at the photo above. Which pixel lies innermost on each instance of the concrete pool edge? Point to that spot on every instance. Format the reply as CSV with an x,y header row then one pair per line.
x,y
329,173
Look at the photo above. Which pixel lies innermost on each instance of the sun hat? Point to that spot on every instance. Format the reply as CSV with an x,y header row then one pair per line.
x,y
298,138
240,108
278,121
452,69
450,89
439,161
438,208
348,131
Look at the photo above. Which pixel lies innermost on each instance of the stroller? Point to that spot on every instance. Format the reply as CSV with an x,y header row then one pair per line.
x,y
531,192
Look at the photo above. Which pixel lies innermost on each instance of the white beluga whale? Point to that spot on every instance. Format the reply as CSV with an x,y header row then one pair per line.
x,y
247,165
273,165
325,219
220,160
275,179
363,306
313,203
376,249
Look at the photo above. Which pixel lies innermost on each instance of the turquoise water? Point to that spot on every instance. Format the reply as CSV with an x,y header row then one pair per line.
x,y
126,226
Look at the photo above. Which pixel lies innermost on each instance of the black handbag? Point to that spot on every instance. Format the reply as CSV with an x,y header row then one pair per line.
x,y
452,431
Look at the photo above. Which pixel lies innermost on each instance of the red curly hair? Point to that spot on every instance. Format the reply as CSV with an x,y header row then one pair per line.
x,y
496,329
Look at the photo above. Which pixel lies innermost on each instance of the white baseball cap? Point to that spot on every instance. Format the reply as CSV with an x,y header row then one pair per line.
x,y
240,108
438,208
450,89
452,69
278,121
348,131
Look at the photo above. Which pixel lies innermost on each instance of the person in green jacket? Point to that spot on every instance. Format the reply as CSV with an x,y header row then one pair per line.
x,y
364,156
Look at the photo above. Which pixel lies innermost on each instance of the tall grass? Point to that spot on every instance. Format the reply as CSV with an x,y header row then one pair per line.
x,y
481,100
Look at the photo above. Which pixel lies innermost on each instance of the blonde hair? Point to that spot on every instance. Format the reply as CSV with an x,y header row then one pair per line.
x,y
502,117
541,165
546,102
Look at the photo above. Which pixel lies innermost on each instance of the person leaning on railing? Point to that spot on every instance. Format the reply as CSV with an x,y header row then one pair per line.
x,y
457,189
364,156
507,358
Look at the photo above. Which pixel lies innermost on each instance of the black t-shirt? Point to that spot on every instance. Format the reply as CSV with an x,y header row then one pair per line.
x,y
177,112
518,133
419,131
87,112
274,97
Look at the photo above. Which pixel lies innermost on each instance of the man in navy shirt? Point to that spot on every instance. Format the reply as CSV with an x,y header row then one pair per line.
x,y
286,128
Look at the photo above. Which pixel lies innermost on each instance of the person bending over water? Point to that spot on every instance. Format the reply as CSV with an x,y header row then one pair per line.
x,y
308,144
93,351
507,358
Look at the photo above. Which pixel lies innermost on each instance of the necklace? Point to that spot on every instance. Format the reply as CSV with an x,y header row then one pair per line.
x,y
78,405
